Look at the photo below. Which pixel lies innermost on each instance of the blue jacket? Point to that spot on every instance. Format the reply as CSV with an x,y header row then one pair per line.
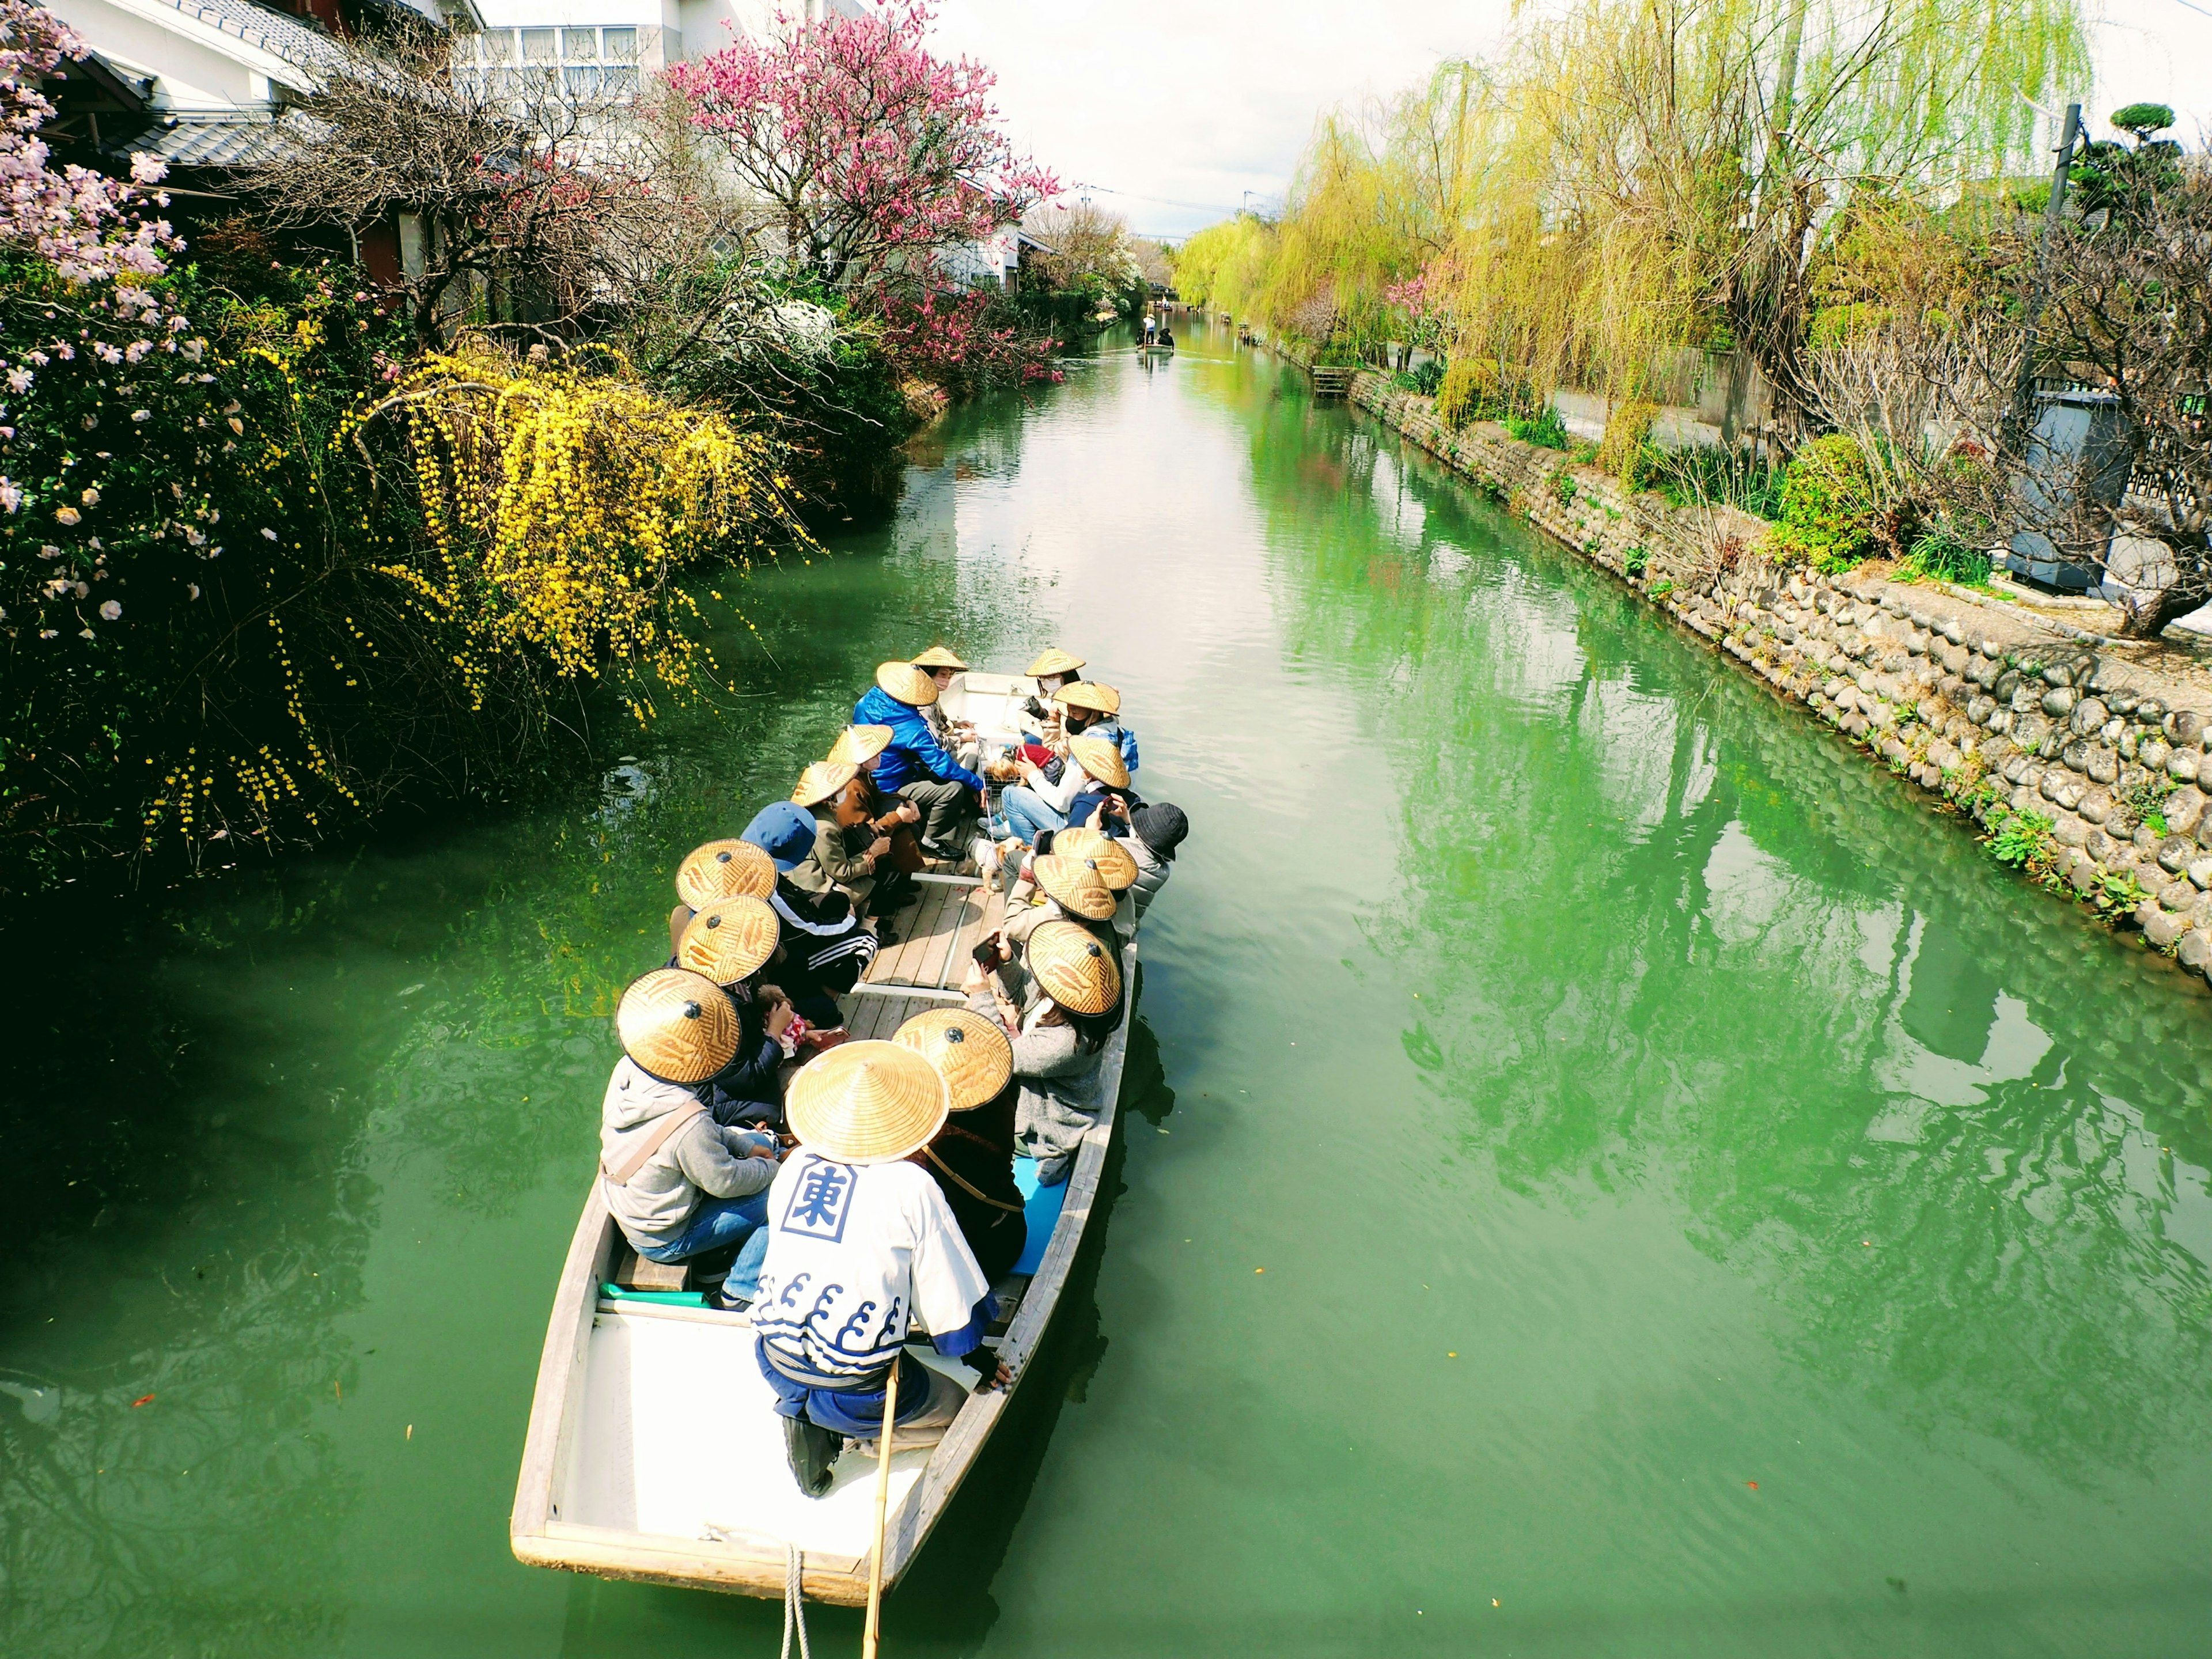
x,y
914,755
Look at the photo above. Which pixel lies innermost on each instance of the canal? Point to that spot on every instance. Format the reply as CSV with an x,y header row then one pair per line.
x,y
1604,1171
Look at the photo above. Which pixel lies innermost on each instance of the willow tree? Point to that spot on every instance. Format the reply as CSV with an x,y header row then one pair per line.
x,y
1679,170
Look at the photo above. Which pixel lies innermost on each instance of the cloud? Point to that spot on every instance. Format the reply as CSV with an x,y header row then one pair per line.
x,y
1170,113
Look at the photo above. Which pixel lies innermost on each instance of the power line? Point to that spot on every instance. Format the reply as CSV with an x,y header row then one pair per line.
x,y
1165,200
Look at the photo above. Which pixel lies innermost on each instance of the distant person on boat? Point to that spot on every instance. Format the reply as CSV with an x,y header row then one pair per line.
x,y
1058,998
972,1157
958,737
860,1243
914,764
677,1183
824,947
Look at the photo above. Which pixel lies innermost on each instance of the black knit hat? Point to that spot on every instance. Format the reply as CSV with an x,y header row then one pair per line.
x,y
1160,827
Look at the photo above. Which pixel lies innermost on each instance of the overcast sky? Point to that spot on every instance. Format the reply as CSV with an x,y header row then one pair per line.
x,y
1171,112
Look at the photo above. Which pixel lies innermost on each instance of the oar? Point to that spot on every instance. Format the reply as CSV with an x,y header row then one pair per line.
x,y
882,1501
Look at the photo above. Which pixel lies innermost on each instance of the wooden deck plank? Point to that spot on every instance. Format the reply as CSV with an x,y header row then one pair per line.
x,y
910,921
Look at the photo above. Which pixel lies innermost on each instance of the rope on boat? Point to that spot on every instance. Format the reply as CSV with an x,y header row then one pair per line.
x,y
795,1604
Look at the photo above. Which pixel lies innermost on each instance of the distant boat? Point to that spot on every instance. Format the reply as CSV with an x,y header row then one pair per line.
x,y
654,1451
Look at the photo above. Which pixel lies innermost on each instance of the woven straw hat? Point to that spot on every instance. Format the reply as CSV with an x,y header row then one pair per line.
x,y
909,685
1076,883
1076,970
938,656
1095,695
1056,661
677,1025
722,870
824,780
729,940
1101,758
867,1102
1116,868
857,745
971,1051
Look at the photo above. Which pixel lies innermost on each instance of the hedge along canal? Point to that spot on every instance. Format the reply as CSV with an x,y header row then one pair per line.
x,y
1603,1174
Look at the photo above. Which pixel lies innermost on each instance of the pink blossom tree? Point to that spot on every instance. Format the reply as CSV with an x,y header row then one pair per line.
x,y
873,154
87,225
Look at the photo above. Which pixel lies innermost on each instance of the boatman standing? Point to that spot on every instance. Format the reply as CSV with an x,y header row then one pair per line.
x,y
862,1245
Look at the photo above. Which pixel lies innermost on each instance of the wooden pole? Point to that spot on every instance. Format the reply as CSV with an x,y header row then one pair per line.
x,y
882,1501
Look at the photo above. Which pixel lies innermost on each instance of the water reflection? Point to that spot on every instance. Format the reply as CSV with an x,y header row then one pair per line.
x,y
1679,946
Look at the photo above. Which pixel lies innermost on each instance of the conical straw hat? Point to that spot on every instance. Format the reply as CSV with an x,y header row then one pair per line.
x,y
1101,758
1116,868
1074,969
908,684
938,656
824,780
867,1102
1075,883
677,1025
729,940
725,869
1095,695
1056,661
857,745
971,1051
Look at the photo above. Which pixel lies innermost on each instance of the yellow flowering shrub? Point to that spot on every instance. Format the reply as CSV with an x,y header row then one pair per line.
x,y
561,500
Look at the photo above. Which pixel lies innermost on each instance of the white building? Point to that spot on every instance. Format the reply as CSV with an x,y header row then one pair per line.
x,y
610,45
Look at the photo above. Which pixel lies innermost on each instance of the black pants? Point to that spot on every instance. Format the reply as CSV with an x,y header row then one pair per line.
x,y
945,808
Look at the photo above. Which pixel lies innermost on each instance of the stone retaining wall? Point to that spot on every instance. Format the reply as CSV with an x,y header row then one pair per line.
x,y
2082,768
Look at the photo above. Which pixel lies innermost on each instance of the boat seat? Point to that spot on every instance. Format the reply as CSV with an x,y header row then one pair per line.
x,y
632,1272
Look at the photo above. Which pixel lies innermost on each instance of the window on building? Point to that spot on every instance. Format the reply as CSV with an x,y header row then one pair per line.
x,y
537,46
621,48
580,45
498,45
583,79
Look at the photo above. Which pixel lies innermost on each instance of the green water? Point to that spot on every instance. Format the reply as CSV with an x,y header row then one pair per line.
x,y
1629,1095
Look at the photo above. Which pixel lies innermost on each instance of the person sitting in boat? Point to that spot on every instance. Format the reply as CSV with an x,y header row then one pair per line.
x,y
1058,1000
1059,888
1156,829
958,738
731,942
1091,772
1093,709
915,765
678,1184
824,947
861,1243
847,845
1167,339
1116,868
972,1157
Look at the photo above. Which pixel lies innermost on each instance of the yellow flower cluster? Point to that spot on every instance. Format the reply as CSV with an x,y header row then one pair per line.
x,y
561,501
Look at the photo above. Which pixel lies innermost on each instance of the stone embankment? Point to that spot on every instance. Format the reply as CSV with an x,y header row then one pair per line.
x,y
2088,771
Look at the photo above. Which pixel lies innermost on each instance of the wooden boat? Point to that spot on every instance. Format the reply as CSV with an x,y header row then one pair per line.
x,y
654,1451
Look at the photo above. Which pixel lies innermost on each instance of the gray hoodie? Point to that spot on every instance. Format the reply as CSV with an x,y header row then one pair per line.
x,y
1059,1079
701,1158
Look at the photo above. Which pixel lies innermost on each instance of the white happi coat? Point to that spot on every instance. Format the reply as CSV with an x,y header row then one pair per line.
x,y
853,1252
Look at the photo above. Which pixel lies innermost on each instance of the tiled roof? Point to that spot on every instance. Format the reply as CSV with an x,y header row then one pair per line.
x,y
225,142
272,31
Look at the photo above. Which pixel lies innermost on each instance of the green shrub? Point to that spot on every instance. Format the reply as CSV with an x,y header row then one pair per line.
x,y
1547,430
1941,552
1425,379
1563,486
1827,505
1467,390
1627,434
